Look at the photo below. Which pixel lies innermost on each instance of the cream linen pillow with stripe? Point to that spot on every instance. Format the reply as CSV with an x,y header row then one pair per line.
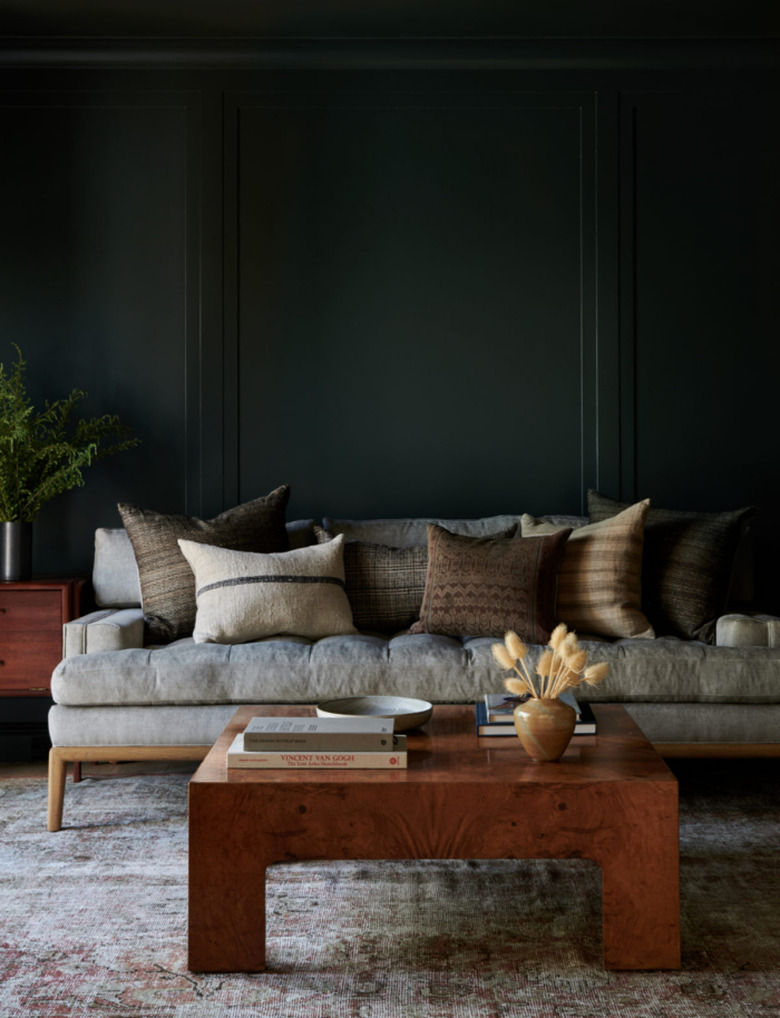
x,y
600,582
243,596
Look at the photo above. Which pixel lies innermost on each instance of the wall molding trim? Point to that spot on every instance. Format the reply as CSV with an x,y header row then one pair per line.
x,y
391,54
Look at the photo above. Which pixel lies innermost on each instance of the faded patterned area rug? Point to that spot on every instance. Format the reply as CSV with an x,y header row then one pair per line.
x,y
94,919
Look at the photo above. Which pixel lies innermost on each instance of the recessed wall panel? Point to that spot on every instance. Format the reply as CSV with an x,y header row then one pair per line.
x,y
411,292
93,285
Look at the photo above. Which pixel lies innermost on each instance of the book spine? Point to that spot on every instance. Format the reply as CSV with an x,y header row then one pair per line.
x,y
319,742
585,724
313,761
507,730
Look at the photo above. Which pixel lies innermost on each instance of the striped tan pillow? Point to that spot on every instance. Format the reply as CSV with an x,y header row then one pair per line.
x,y
600,582
689,562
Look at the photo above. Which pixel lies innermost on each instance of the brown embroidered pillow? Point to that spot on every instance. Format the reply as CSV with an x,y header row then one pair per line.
x,y
600,582
485,586
167,581
687,565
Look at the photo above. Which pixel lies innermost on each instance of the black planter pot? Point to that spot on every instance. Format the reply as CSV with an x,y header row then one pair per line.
x,y
15,551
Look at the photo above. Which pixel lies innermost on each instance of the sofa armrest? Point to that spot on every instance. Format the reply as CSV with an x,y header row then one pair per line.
x,y
108,629
753,630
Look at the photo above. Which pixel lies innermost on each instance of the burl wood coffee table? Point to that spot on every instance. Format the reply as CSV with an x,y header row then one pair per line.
x,y
611,799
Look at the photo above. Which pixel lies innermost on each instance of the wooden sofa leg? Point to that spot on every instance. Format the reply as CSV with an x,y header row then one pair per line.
x,y
57,767
61,756
76,771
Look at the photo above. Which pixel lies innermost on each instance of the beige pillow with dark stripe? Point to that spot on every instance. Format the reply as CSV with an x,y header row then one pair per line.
x,y
600,582
243,596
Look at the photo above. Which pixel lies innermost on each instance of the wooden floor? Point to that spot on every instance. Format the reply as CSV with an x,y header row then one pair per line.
x,y
39,769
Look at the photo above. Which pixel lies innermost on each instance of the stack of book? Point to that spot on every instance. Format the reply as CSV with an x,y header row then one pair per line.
x,y
494,715
303,743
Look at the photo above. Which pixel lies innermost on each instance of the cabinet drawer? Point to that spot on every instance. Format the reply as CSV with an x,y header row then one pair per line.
x,y
34,610
27,661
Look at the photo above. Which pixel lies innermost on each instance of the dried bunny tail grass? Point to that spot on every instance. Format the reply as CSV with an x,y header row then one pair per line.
x,y
502,657
577,661
515,645
520,686
544,666
570,645
516,686
596,673
558,635
563,680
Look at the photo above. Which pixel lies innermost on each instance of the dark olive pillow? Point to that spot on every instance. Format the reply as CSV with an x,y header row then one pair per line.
x,y
167,581
485,586
687,565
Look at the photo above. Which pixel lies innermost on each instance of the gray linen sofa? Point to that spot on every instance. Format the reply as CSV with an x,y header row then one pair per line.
x,y
117,699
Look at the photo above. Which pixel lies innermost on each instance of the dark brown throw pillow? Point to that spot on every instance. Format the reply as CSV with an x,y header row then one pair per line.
x,y
485,586
687,565
167,581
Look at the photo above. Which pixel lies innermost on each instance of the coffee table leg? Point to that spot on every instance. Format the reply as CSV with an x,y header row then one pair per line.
x,y
226,923
640,881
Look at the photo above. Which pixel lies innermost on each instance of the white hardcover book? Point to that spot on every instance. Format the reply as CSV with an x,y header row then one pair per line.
x,y
313,734
238,757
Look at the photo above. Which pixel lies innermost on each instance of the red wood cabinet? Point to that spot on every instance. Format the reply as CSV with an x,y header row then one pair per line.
x,y
32,613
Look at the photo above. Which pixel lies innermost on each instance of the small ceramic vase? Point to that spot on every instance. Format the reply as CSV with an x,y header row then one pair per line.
x,y
544,728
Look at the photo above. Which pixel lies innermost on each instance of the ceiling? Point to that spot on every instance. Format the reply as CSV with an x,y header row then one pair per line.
x,y
388,19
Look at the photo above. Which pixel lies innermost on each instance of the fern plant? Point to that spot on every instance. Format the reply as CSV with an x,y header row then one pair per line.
x,y
43,452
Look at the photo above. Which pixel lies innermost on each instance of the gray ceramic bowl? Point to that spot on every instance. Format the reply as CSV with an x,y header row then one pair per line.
x,y
405,712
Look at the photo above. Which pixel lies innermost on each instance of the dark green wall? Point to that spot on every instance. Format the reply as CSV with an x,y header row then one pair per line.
x,y
455,286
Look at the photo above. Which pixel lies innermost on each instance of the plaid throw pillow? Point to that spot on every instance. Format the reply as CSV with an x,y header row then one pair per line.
x,y
384,585
687,565
600,582
167,583
485,586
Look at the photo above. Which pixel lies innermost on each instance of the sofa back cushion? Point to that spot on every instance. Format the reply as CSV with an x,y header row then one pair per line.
x,y
406,532
115,572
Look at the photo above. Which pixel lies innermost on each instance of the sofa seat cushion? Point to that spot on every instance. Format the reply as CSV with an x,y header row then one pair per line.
x,y
442,669
280,669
